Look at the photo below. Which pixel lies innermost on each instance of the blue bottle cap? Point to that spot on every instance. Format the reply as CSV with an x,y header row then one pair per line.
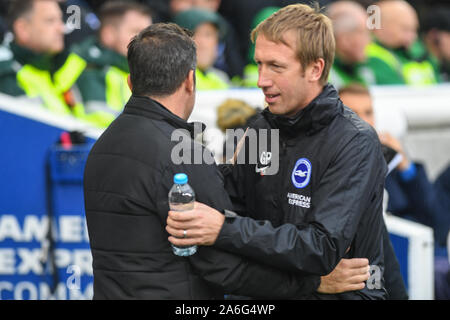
x,y
180,178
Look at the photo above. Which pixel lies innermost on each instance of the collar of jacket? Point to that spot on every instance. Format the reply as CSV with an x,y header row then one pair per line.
x,y
152,109
311,119
42,61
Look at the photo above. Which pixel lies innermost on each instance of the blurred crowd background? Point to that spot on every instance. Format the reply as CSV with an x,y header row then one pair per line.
x,y
398,42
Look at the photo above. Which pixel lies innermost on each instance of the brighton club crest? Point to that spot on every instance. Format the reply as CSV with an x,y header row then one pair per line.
x,y
301,173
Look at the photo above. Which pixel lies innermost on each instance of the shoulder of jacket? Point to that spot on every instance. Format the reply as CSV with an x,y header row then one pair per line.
x,y
349,122
141,148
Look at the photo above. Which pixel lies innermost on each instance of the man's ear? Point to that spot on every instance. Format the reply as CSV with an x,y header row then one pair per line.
x,y
130,85
315,70
20,30
107,35
190,81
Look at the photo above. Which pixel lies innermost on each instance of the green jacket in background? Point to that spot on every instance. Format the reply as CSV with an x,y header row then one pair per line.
x,y
412,66
103,84
342,74
50,78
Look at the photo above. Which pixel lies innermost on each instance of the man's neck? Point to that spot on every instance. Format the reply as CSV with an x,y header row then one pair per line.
x,y
172,103
315,91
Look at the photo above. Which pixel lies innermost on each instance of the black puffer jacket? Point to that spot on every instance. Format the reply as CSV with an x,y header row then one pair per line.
x,y
127,178
323,204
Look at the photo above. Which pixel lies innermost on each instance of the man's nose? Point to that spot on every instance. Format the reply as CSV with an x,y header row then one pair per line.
x,y
263,80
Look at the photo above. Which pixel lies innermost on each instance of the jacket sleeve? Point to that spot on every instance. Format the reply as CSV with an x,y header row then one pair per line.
x,y
348,187
245,277
236,274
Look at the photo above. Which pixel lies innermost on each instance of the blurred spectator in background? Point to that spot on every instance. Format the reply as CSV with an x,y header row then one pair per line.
x,y
396,57
352,37
35,63
103,84
436,34
228,58
208,29
411,195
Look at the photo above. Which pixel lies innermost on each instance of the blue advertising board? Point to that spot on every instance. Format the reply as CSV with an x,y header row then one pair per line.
x,y
44,245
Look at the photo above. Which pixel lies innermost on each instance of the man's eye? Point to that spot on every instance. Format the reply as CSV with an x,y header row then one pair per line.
x,y
277,67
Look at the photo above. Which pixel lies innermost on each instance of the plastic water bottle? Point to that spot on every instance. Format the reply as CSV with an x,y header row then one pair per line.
x,y
181,198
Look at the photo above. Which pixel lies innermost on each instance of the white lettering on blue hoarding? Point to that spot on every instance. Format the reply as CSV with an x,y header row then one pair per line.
x,y
22,271
27,290
70,228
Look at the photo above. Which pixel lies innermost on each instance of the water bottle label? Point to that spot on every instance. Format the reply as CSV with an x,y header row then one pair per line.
x,y
184,251
181,206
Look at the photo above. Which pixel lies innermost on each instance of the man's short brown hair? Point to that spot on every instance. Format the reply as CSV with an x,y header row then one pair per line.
x,y
314,30
18,9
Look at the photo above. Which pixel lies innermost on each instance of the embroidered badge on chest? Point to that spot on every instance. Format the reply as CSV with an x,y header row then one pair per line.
x,y
301,173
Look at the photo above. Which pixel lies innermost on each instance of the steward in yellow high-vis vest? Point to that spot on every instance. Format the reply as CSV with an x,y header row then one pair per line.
x,y
401,66
212,79
103,84
208,28
49,78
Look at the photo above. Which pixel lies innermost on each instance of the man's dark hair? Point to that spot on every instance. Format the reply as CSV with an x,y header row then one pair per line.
x,y
160,58
17,9
112,11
